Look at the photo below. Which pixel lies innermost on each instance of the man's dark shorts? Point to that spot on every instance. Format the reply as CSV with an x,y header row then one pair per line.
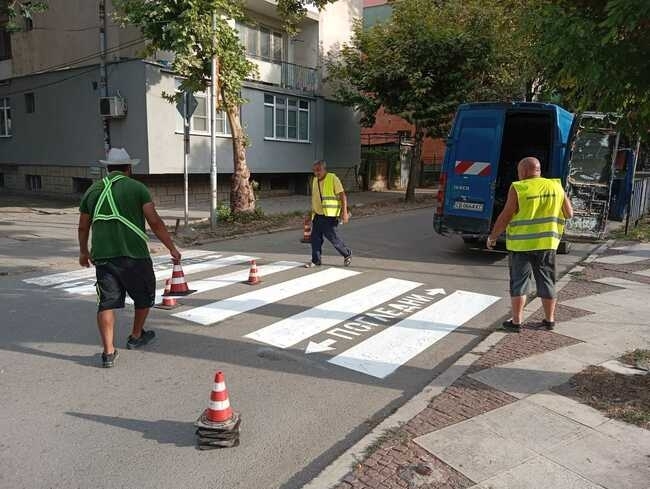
x,y
118,276
539,265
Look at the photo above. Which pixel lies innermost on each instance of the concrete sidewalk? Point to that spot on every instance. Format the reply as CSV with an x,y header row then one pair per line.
x,y
498,421
287,204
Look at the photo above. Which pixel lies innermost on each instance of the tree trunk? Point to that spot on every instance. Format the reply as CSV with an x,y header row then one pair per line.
x,y
242,196
414,170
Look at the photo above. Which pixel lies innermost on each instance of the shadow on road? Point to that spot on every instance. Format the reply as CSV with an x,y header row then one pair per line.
x,y
164,431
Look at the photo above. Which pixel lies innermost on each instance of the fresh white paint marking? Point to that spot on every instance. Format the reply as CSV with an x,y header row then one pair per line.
x,y
294,329
89,289
218,311
219,281
87,273
325,345
383,353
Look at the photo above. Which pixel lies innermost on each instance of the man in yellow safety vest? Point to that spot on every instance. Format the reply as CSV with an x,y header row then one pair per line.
x,y
116,208
533,219
329,204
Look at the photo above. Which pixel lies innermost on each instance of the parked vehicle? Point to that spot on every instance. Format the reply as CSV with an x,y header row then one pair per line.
x,y
487,141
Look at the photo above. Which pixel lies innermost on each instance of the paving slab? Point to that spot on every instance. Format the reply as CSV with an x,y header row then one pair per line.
x,y
604,460
611,302
580,413
474,450
634,248
623,283
587,353
645,273
624,259
538,473
627,433
613,338
531,425
531,375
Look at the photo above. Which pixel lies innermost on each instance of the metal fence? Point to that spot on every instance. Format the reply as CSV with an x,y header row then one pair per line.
x,y
299,77
640,205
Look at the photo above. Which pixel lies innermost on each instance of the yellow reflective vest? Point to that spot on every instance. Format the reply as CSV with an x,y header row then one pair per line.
x,y
328,198
539,222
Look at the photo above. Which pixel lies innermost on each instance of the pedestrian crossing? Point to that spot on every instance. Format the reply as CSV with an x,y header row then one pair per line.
x,y
371,324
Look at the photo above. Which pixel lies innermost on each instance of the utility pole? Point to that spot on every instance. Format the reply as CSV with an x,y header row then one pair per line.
x,y
103,74
186,152
214,96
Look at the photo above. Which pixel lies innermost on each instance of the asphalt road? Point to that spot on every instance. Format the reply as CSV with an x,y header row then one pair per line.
x,y
67,423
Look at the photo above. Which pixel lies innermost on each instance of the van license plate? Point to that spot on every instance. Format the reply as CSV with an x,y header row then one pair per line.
x,y
468,206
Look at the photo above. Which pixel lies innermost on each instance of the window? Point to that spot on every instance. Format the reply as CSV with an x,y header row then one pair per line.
x,y
80,185
221,123
200,120
2,180
5,44
5,117
286,118
261,42
33,182
30,103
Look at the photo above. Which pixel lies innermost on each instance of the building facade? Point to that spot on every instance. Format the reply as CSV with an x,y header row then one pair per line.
x,y
51,132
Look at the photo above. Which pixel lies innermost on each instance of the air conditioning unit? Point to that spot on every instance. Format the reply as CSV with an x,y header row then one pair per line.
x,y
113,107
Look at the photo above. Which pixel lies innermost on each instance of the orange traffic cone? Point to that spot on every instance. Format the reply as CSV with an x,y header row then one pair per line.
x,y
218,426
178,282
253,276
168,302
306,233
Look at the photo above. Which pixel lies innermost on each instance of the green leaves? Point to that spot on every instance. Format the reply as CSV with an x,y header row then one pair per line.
x,y
423,62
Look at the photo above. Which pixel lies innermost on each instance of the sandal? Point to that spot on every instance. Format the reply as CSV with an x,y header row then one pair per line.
x,y
347,261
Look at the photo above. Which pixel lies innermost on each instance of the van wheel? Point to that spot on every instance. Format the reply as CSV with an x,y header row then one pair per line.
x,y
564,248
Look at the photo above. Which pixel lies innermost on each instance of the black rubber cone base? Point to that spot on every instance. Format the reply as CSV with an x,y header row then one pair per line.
x,y
213,445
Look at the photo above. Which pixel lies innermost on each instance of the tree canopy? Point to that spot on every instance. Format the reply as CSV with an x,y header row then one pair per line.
x,y
596,54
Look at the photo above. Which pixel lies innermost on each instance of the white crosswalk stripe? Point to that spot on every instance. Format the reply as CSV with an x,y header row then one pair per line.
x,y
88,273
382,354
218,311
89,289
219,281
293,330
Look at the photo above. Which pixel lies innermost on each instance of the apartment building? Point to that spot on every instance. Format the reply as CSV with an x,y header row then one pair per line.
x,y
51,131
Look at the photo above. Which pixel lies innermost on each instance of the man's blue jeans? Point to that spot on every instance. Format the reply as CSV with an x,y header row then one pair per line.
x,y
325,227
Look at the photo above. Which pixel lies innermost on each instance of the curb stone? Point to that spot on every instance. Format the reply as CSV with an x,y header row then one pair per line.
x,y
334,473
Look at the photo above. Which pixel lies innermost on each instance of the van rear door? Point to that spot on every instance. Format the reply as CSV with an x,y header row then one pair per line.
x,y
589,167
471,163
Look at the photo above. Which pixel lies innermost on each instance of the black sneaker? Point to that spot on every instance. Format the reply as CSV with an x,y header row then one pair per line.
x,y
549,325
108,360
145,338
510,326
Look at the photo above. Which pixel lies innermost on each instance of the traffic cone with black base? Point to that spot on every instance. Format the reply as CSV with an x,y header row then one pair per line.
x,y
306,232
168,302
178,283
218,426
253,276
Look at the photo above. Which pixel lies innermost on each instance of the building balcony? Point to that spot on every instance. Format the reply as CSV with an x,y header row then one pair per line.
x,y
286,75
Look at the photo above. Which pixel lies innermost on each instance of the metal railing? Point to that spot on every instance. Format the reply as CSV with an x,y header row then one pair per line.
x,y
640,203
299,77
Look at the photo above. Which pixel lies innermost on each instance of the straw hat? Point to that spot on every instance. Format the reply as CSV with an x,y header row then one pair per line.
x,y
119,156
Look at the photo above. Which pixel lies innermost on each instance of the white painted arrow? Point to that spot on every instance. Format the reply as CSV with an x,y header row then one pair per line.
x,y
435,292
324,345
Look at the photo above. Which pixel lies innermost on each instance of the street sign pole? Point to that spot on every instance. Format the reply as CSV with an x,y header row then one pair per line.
x,y
214,96
186,152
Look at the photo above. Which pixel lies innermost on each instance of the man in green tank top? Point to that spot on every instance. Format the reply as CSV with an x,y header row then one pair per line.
x,y
116,208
